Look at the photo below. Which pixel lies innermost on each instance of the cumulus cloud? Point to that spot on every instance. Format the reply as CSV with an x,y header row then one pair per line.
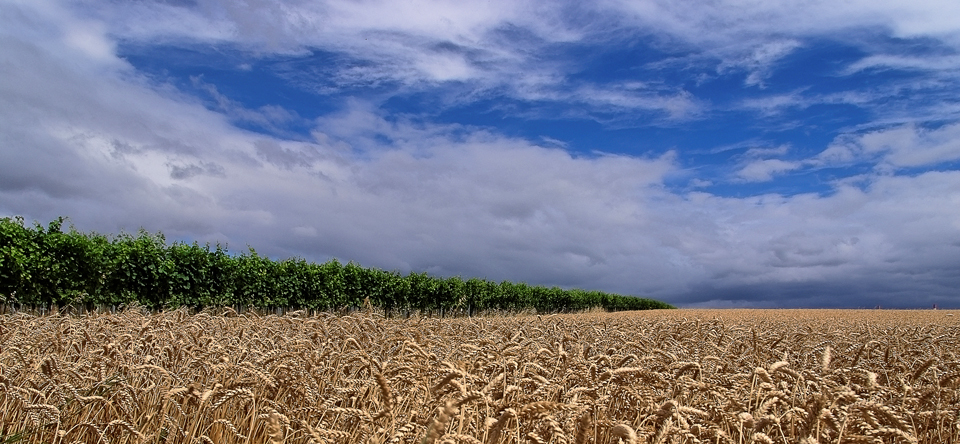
x,y
888,237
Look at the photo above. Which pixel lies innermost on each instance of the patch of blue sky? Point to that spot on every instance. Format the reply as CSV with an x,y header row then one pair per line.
x,y
228,80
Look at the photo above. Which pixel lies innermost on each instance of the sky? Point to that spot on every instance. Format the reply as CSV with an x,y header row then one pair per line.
x,y
732,153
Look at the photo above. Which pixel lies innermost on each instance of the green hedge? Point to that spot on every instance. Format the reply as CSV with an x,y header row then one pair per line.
x,y
47,266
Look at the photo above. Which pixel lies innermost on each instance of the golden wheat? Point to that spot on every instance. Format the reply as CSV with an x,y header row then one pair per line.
x,y
679,376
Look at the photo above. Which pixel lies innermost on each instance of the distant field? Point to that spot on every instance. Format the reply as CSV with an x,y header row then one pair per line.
x,y
677,376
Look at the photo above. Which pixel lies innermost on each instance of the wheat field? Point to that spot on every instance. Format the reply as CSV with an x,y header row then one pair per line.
x,y
677,376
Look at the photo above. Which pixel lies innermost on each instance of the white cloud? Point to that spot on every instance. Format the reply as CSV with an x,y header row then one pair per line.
x,y
727,22
887,150
429,40
894,228
893,148
674,105
413,33
91,40
760,60
763,170
945,63
756,166
775,104
504,47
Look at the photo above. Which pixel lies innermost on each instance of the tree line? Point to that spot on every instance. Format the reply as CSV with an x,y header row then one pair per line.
x,y
47,266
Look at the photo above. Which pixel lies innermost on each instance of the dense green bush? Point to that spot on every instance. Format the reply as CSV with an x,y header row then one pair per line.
x,y
47,266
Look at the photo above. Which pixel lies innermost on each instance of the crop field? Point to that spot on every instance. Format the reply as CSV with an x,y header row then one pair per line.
x,y
671,376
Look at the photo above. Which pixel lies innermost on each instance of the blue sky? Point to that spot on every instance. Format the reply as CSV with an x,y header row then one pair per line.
x,y
730,154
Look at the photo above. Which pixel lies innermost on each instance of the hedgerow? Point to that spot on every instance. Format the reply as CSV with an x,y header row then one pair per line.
x,y
52,267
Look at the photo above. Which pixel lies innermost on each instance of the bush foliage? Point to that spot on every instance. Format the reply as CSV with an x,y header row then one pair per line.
x,y
50,266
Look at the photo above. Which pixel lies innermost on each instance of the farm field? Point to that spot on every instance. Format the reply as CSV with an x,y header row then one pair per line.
x,y
665,376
